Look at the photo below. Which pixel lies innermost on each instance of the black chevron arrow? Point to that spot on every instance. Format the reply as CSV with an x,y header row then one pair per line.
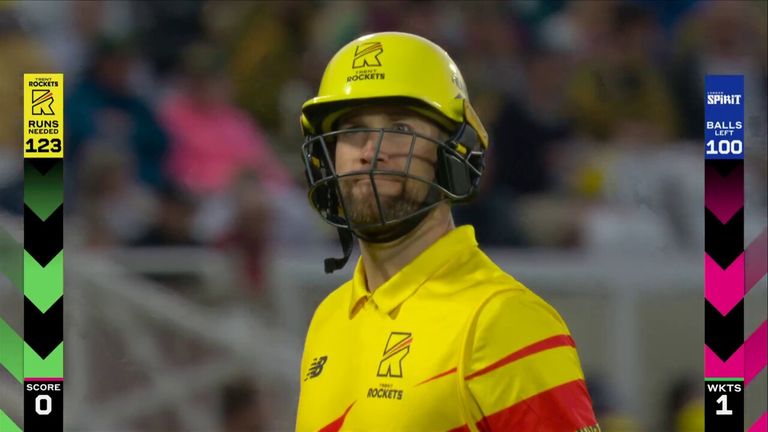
x,y
724,334
43,239
724,242
724,166
43,332
43,165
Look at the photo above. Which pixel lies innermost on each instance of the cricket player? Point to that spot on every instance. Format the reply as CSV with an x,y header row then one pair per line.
x,y
429,335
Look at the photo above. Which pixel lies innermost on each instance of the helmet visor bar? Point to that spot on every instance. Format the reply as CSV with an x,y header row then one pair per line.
x,y
374,195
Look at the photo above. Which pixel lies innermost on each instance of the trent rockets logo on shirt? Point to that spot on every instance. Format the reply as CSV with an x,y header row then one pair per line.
x,y
398,346
391,366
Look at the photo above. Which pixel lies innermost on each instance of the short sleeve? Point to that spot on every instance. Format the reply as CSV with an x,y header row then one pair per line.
x,y
521,369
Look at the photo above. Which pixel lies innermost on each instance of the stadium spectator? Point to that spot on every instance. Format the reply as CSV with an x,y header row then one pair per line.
x,y
263,42
212,140
173,224
625,94
162,27
249,236
103,108
720,38
524,135
114,208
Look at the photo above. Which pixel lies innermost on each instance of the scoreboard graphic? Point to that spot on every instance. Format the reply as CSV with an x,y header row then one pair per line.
x,y
731,361
43,252
37,360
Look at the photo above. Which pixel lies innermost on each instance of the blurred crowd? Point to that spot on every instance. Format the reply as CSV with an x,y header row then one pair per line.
x,y
182,117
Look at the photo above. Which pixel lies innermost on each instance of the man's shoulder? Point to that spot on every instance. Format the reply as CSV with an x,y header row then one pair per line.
x,y
507,302
482,277
519,317
514,303
334,303
493,293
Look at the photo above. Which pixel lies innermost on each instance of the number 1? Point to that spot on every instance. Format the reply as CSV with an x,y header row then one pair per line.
x,y
724,410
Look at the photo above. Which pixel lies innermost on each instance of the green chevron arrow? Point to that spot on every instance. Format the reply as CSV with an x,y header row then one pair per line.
x,y
43,193
10,259
44,285
51,366
10,355
6,424
11,344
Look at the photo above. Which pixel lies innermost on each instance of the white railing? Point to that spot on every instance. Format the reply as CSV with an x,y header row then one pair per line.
x,y
136,313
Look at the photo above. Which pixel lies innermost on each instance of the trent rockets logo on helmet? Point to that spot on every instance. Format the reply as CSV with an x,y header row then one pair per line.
x,y
365,60
367,55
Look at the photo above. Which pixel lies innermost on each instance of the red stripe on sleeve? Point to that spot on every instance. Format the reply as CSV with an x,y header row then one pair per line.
x,y
336,425
544,344
566,407
440,375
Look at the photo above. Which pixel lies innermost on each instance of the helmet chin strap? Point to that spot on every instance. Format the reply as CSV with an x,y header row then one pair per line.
x,y
345,238
382,234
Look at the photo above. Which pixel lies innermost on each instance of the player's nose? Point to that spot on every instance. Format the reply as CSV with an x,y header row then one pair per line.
x,y
372,152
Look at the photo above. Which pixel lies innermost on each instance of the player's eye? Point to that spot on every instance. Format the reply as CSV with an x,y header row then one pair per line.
x,y
401,127
351,136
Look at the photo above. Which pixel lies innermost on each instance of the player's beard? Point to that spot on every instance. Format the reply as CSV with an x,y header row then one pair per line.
x,y
360,199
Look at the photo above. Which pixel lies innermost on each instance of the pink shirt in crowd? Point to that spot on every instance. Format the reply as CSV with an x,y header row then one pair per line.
x,y
211,145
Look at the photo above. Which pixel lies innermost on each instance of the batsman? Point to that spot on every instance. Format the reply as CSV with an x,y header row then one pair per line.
x,y
429,334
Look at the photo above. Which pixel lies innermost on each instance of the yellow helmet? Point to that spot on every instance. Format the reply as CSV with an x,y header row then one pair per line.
x,y
412,72
392,66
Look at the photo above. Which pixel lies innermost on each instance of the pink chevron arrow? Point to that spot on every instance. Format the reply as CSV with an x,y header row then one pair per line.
x,y
723,287
724,196
755,352
716,368
756,261
761,425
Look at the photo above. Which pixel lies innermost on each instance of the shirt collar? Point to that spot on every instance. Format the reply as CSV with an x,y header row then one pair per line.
x,y
405,282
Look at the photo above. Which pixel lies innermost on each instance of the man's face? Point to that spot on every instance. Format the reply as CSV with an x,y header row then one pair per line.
x,y
356,154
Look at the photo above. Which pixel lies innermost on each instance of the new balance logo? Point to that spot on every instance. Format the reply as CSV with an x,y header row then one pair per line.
x,y
367,55
316,367
398,346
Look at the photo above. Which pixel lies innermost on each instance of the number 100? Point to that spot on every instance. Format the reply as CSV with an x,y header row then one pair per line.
x,y
725,147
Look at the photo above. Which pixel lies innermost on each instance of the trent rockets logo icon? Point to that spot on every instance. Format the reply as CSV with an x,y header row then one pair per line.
x,y
41,102
367,55
398,346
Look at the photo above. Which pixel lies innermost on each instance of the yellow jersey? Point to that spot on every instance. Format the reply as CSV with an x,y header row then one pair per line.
x,y
449,343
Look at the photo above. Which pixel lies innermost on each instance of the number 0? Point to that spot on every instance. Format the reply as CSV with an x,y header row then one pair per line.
x,y
38,405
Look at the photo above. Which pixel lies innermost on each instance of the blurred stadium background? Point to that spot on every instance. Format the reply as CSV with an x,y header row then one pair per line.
x,y
194,262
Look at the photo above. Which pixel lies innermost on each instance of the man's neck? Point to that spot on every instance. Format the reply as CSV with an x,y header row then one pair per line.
x,y
383,260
